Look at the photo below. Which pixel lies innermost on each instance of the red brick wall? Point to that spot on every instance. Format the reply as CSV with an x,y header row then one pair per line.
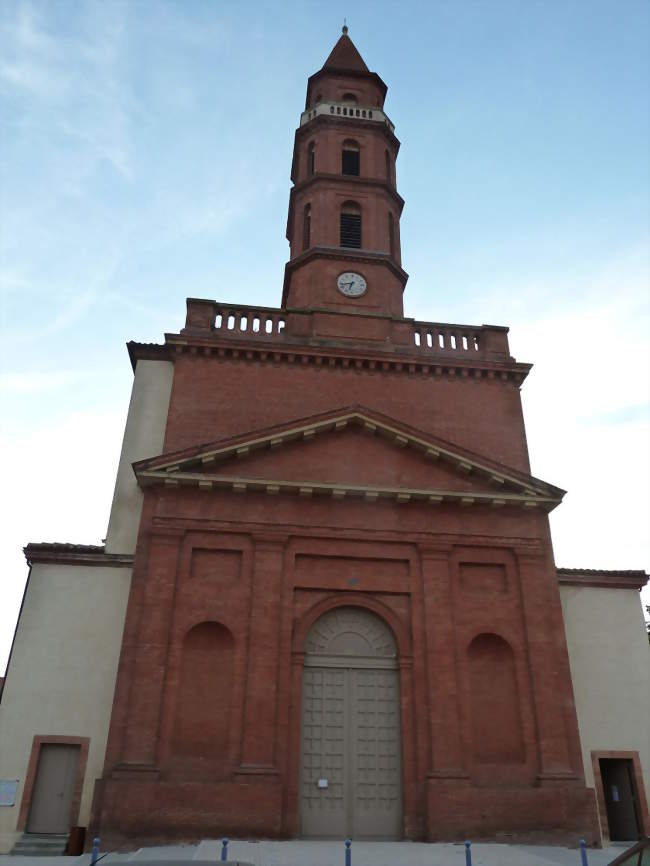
x,y
439,576
215,398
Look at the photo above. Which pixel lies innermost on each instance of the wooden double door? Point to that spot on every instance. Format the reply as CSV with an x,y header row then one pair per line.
x,y
351,777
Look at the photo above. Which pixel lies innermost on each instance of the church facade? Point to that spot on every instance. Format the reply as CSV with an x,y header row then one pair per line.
x,y
332,604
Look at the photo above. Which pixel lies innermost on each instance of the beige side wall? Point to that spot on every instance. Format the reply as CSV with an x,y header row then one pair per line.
x,y
143,437
610,666
62,670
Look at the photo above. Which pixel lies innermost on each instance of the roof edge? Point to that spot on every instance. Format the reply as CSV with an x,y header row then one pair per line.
x,y
147,352
346,73
61,553
603,578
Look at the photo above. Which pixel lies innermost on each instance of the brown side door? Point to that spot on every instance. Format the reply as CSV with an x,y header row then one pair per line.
x,y
620,799
53,789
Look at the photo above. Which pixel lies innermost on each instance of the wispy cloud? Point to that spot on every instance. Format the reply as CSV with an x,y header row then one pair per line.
x,y
35,381
70,86
33,60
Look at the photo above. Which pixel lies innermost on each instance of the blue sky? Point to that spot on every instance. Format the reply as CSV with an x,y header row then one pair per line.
x,y
145,157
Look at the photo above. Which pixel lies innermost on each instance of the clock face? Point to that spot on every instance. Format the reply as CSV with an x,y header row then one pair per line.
x,y
351,285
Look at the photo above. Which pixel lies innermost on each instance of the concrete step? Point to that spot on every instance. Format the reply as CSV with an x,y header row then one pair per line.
x,y
40,845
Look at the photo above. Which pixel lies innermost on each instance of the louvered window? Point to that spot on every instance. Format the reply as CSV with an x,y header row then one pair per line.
x,y
306,228
350,162
311,159
351,230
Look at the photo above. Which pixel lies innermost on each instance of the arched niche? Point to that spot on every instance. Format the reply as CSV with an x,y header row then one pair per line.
x,y
203,697
497,733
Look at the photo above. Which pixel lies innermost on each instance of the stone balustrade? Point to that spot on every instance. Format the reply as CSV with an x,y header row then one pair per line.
x,y
274,324
347,110
435,338
268,322
233,320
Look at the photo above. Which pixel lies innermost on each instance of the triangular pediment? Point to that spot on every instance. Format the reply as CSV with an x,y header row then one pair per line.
x,y
349,452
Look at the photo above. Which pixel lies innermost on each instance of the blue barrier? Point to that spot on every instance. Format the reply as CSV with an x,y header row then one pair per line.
x,y
95,852
348,852
224,850
583,853
468,854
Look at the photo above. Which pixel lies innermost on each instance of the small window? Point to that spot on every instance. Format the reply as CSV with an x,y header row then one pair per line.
x,y
311,158
349,97
351,225
306,227
350,158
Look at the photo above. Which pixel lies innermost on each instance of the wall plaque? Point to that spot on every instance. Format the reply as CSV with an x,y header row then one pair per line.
x,y
8,788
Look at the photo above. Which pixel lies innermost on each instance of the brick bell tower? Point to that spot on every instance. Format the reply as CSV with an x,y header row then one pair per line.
x,y
344,208
344,616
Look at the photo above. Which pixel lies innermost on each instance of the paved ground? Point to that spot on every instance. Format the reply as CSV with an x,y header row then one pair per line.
x,y
333,854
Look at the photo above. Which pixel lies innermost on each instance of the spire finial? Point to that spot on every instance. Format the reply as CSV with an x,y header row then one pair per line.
x,y
344,29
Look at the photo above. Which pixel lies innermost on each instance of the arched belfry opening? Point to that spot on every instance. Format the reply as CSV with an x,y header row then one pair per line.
x,y
350,768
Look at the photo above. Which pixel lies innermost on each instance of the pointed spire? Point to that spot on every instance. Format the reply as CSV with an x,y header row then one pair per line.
x,y
344,55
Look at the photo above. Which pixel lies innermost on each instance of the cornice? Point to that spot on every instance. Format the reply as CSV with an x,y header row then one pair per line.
x,y
147,352
345,73
307,489
347,122
327,354
199,467
602,578
59,553
300,533
344,254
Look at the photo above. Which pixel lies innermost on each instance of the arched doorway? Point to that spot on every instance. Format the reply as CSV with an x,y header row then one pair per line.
x,y
350,761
